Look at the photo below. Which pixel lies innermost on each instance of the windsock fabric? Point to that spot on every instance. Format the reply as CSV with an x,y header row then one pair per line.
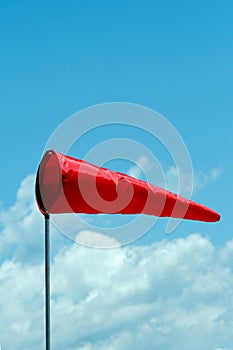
x,y
68,185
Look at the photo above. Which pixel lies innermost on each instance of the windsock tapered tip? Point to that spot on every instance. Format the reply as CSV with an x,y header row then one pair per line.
x,y
200,212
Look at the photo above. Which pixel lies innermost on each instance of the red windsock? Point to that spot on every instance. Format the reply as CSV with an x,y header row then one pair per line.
x,y
68,185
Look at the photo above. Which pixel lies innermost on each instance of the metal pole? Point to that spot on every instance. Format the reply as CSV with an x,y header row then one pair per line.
x,y
47,282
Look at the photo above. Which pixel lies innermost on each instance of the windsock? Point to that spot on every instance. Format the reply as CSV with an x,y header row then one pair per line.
x,y
69,185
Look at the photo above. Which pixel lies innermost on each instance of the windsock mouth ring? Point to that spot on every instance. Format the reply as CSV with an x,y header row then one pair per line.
x,y
48,181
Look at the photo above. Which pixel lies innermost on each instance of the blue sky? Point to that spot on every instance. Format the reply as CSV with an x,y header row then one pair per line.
x,y
172,56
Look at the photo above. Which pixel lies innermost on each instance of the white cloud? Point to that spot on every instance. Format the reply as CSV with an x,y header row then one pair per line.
x,y
96,240
172,178
22,234
142,164
21,315
169,295
201,179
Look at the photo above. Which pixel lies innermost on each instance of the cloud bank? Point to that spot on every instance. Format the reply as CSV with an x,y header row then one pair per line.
x,y
169,295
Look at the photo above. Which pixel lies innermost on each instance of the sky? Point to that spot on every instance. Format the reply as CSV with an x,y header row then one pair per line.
x,y
164,291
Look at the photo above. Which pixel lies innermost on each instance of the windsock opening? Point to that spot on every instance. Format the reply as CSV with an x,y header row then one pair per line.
x,y
48,181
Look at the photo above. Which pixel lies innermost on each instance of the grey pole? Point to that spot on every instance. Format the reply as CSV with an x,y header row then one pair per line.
x,y
47,282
